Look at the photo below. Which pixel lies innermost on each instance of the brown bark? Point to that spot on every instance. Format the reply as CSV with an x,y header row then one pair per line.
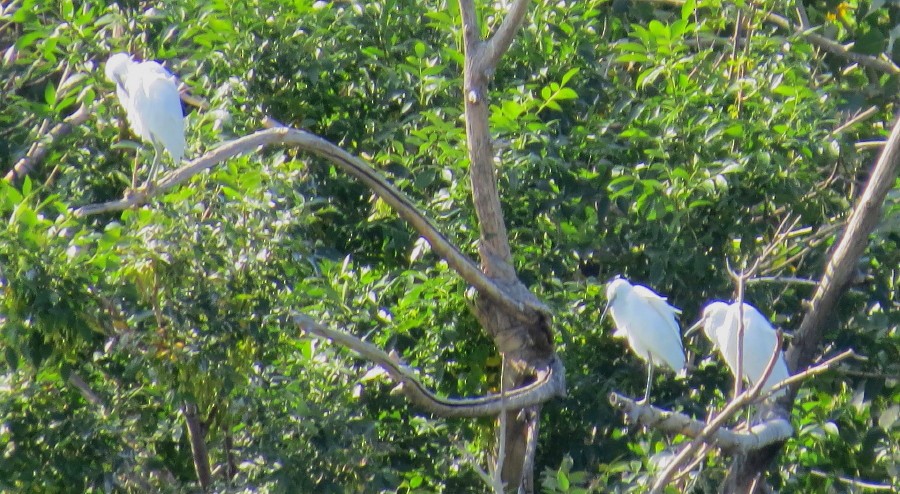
x,y
525,342
198,445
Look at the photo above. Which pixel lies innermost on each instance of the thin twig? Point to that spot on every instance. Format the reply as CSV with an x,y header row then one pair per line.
x,y
812,371
781,279
855,120
859,484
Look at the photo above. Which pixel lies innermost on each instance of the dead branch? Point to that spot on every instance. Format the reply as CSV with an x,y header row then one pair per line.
x,y
737,403
729,441
40,148
841,266
812,371
859,117
86,391
198,444
354,167
550,381
838,274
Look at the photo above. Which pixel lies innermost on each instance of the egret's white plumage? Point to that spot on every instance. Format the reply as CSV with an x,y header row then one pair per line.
x,y
721,322
149,94
648,322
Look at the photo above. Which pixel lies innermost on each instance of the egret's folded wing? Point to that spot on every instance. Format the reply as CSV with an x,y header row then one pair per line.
x,y
159,104
651,296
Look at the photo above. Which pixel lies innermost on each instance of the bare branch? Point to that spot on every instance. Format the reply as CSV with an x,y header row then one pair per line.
x,y
86,391
725,439
859,117
841,266
687,453
550,382
502,39
39,149
781,279
198,444
354,167
493,244
812,371
859,484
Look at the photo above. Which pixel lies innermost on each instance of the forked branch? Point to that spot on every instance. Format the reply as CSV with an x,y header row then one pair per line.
x,y
550,382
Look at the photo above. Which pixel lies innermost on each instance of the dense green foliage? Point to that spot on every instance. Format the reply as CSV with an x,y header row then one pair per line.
x,y
633,138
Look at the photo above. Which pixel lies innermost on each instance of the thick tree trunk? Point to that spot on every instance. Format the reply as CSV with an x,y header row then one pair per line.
x,y
524,340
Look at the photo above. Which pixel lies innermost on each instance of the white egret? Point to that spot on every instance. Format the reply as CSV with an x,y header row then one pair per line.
x,y
648,322
720,322
150,97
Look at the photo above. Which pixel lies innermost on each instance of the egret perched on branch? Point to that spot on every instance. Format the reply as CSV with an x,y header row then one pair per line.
x,y
648,321
150,97
720,322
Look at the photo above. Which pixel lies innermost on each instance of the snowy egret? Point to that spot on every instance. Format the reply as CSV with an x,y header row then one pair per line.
x,y
150,97
720,322
648,321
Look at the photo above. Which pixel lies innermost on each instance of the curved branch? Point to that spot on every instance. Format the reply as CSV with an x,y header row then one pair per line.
x,y
39,150
550,383
356,168
729,441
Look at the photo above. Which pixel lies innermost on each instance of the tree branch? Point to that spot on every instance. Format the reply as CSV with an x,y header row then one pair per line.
x,y
86,391
838,274
499,43
827,44
496,255
198,445
812,371
729,441
354,167
550,383
740,401
842,264
39,149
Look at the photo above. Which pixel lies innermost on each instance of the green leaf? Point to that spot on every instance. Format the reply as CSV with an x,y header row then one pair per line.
x,y
568,75
687,10
562,480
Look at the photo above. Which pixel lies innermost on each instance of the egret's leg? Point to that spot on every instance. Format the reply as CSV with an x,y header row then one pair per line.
x,y
134,172
649,381
157,158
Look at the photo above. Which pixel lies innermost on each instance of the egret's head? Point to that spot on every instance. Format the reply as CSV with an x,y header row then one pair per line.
x,y
616,288
714,318
117,67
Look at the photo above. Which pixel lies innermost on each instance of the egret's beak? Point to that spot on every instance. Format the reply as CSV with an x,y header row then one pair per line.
x,y
605,310
697,325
